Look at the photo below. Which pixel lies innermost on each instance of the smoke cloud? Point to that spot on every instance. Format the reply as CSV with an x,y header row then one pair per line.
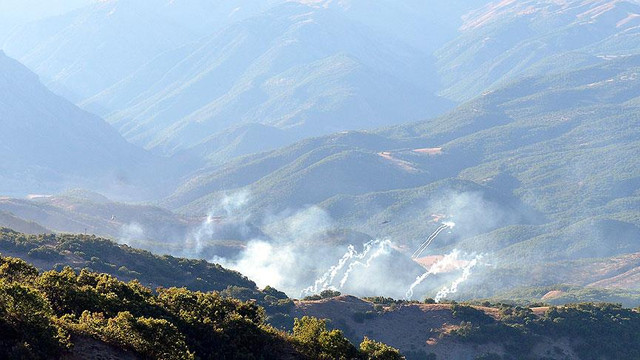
x,y
453,288
131,234
303,251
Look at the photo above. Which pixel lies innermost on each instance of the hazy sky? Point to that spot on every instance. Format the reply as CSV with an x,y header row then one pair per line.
x,y
32,9
18,12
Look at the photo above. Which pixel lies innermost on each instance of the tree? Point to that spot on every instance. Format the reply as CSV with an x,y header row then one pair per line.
x,y
26,327
328,294
316,342
152,338
374,350
17,270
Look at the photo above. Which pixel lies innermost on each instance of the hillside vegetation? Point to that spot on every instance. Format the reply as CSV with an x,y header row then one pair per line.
x,y
42,316
585,331
71,314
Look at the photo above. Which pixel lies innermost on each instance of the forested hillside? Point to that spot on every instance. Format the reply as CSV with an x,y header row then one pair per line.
x,y
541,171
53,315
70,314
455,179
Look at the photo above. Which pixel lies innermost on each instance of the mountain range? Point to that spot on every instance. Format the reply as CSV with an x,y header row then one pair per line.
x,y
517,120
185,83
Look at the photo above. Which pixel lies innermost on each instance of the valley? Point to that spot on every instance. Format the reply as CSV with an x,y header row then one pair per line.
x,y
340,179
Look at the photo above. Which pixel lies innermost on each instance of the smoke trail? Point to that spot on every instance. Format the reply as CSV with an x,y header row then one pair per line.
x,y
229,206
327,278
426,244
382,250
351,257
432,237
466,272
201,234
442,265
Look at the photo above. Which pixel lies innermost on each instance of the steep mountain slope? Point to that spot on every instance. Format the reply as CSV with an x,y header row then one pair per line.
x,y
541,171
47,142
124,262
494,140
11,221
195,68
307,70
506,40
436,331
75,212
82,52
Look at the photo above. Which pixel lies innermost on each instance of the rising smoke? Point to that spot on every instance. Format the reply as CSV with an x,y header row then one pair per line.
x,y
431,238
131,234
356,260
453,288
303,252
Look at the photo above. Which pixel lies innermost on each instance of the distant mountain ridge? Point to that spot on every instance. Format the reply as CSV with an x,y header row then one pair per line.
x,y
540,171
47,141
308,71
195,68
508,40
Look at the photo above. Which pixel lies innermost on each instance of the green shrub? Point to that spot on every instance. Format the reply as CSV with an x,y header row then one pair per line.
x,y
26,327
151,338
316,342
374,350
45,253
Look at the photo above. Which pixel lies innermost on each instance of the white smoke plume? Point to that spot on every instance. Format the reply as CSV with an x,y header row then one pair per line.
x,y
431,238
131,234
382,248
447,263
371,251
453,262
285,253
324,282
299,252
453,288
229,207
264,263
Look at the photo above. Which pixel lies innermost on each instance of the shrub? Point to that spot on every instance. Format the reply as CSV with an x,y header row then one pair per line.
x,y
374,350
152,338
328,294
26,327
316,342
17,270
45,253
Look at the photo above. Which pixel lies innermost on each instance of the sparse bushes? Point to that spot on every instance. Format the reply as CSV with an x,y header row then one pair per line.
x,y
387,301
598,330
325,294
45,253
361,317
608,330
328,294
471,314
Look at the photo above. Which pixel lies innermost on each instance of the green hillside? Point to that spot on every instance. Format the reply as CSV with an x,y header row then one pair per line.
x,y
54,314
541,171
503,42
90,252
70,314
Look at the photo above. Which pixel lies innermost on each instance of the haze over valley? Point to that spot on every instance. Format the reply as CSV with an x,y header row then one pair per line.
x,y
359,156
